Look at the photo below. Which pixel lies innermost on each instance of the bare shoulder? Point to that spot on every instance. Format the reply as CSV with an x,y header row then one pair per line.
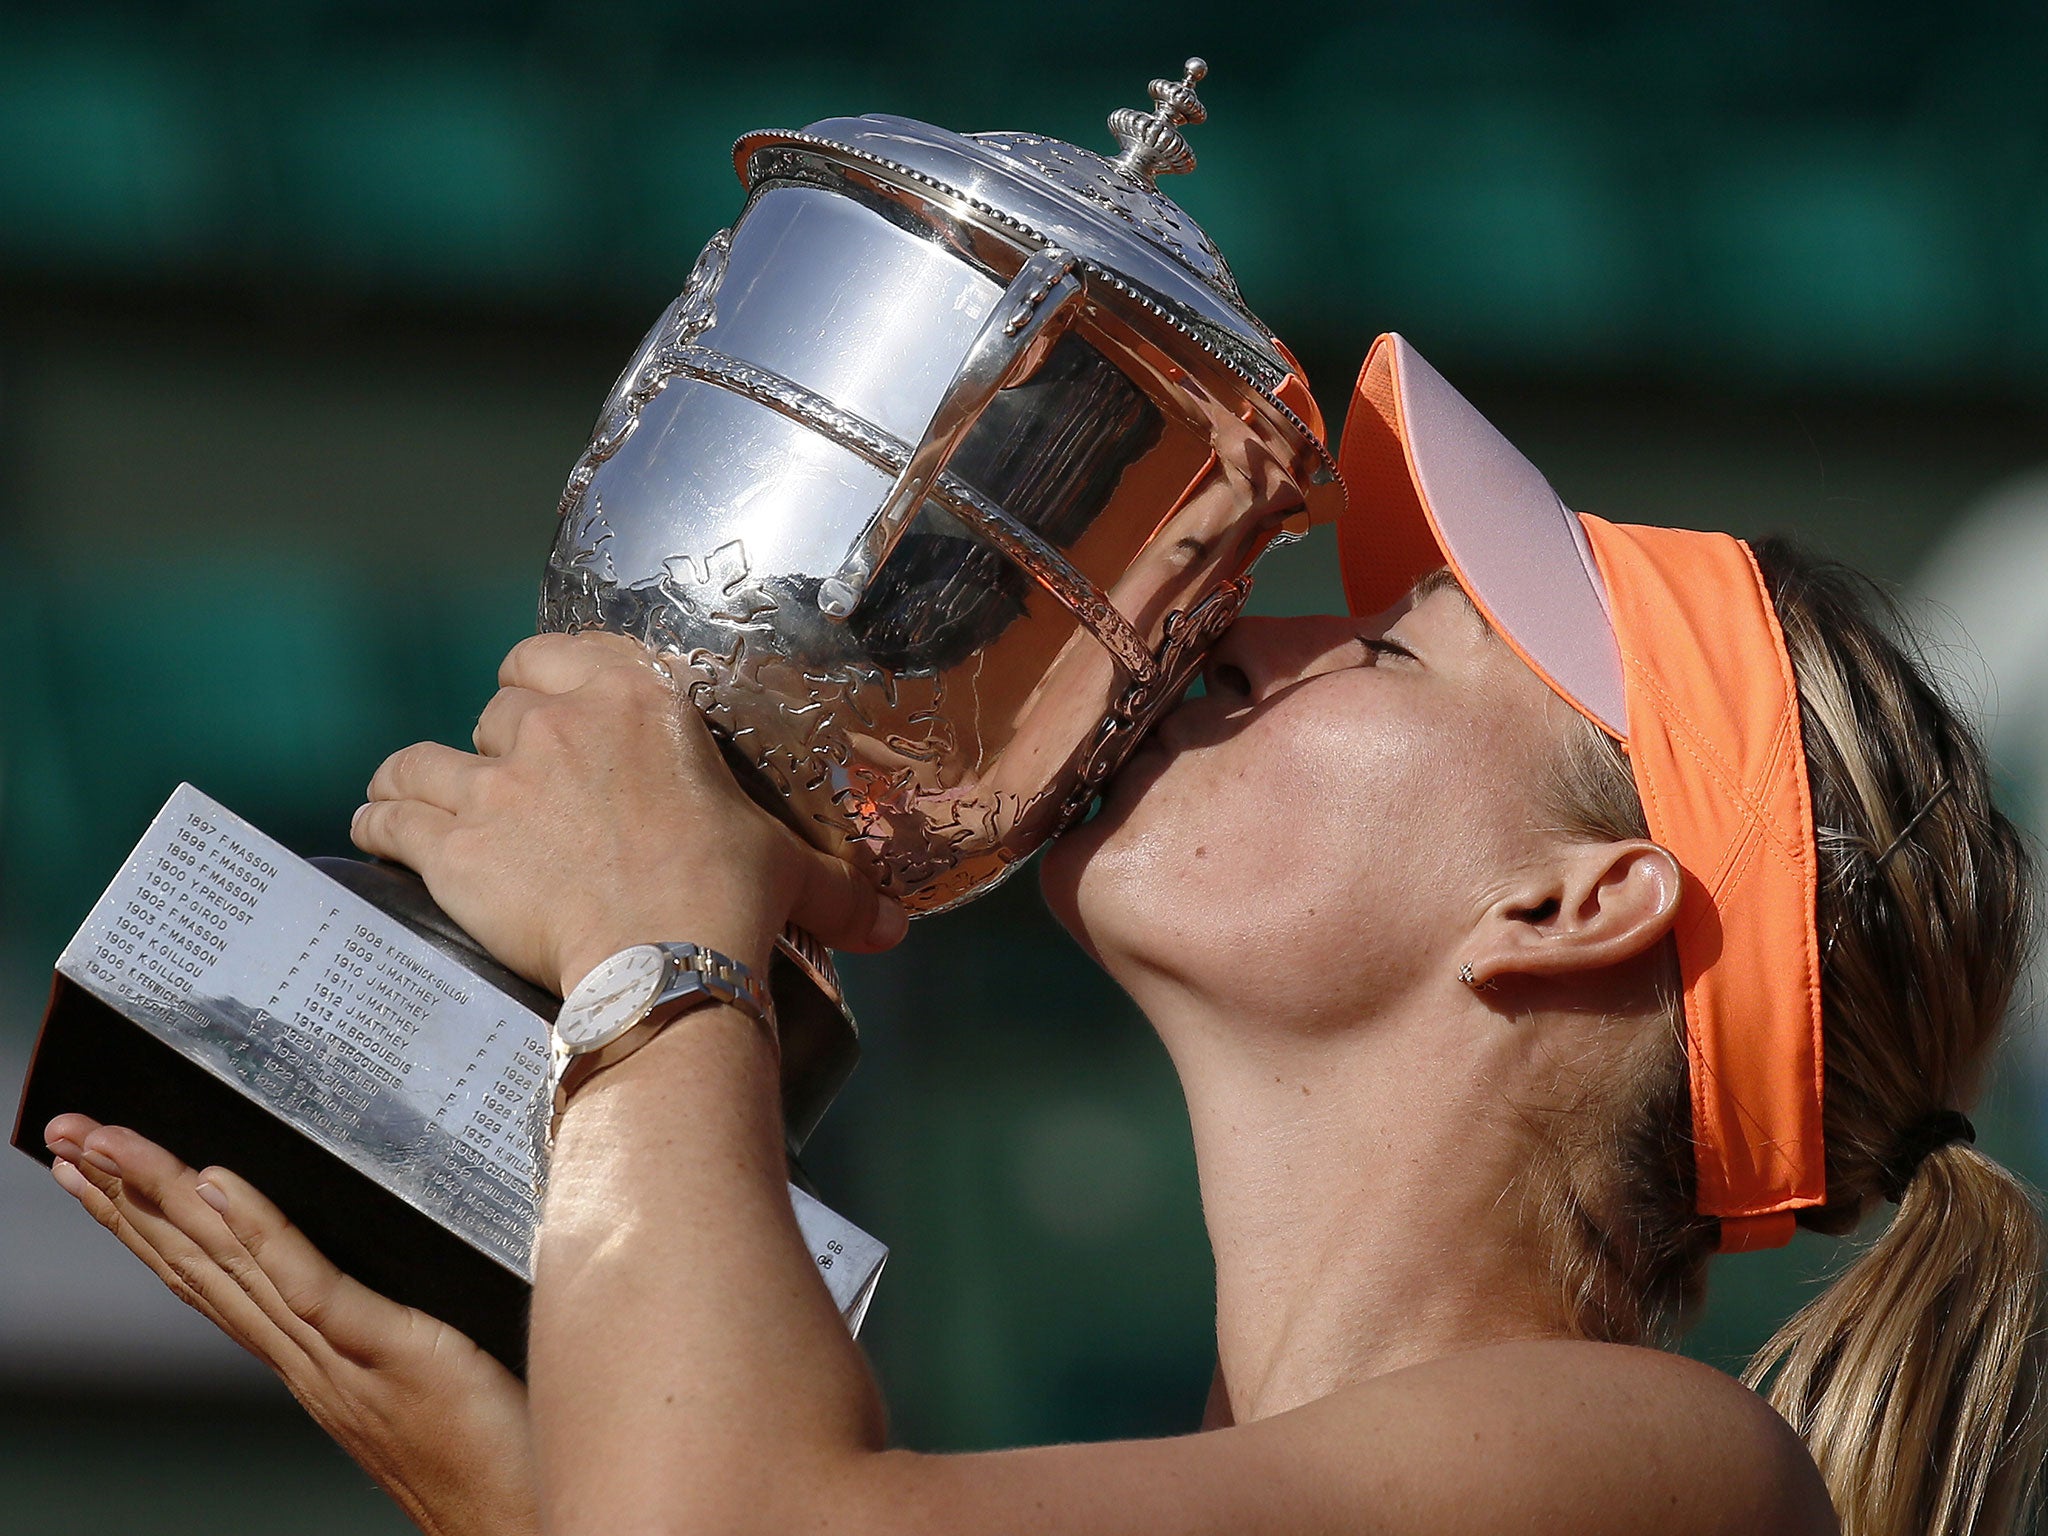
x,y
1544,1439
1572,1436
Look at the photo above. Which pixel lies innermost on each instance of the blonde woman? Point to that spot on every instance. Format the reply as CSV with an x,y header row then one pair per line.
x,y
1595,899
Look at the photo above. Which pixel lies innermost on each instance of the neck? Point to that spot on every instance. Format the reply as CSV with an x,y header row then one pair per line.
x,y
1361,1197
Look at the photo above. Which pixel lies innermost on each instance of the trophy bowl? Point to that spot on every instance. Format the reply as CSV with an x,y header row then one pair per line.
x,y
938,479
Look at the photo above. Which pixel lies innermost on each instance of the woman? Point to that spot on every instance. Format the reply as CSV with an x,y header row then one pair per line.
x,y
1491,1031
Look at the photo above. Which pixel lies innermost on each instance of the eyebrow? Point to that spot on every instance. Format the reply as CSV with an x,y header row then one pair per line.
x,y
1433,582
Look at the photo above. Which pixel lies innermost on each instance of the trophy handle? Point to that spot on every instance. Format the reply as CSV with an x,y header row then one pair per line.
x,y
1034,310
820,1042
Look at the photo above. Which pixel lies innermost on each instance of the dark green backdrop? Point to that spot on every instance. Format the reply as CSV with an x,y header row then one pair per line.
x,y
304,311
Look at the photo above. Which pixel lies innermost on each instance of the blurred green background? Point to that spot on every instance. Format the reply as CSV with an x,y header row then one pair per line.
x,y
306,306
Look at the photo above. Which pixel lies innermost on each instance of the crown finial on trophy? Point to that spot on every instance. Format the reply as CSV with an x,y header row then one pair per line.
x,y
1152,147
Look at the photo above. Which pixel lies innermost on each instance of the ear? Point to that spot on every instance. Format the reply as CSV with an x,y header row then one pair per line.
x,y
1595,906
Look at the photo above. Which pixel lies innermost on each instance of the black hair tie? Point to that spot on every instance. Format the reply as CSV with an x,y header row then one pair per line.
x,y
1924,1137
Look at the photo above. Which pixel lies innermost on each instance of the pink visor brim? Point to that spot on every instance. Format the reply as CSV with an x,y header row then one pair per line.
x,y
1432,482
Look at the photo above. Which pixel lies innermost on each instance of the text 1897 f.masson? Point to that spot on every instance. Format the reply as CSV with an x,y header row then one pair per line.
x,y
933,486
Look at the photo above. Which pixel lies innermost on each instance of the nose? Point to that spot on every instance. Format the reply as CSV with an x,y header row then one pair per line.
x,y
1257,657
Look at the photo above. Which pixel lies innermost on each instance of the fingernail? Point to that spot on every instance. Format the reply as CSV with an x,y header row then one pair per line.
x,y
69,1179
212,1196
102,1161
357,819
66,1148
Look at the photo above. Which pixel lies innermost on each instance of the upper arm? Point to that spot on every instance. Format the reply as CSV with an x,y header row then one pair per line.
x,y
1536,1438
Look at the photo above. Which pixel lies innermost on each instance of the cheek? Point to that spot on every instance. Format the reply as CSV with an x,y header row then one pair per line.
x,y
1308,827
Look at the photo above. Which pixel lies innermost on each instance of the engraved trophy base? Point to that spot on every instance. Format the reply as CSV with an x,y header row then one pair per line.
x,y
324,1030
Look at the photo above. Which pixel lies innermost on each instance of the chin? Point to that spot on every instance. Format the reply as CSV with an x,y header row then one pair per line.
x,y
1087,872
1060,871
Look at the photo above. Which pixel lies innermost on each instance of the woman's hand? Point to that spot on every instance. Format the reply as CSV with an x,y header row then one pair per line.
x,y
596,813
439,1424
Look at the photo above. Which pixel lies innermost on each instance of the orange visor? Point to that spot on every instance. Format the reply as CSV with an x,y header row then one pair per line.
x,y
1666,639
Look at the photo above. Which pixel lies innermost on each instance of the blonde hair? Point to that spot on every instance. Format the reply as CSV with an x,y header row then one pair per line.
x,y
1916,1377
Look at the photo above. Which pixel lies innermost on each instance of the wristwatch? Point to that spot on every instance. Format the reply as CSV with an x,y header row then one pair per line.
x,y
625,1001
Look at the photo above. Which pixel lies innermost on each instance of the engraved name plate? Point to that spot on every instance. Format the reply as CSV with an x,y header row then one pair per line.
x,y
330,1018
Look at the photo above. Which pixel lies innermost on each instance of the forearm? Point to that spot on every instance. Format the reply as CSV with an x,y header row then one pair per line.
x,y
685,1360
687,1367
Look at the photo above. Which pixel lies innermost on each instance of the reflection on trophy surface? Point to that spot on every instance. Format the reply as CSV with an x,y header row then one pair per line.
x,y
938,477
933,486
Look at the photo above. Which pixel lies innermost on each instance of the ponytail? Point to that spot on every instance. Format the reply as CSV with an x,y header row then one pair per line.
x,y
1916,1378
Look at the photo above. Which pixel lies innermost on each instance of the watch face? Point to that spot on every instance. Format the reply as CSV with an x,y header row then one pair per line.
x,y
611,999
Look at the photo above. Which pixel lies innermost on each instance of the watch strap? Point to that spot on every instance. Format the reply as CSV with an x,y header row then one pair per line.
x,y
724,978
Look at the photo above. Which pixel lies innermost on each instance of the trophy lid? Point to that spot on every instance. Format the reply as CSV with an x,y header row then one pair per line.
x,y
1105,212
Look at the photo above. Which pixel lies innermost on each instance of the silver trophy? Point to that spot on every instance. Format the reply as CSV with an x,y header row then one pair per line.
x,y
933,486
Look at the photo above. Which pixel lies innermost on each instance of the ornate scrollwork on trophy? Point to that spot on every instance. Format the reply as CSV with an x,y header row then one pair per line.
x,y
1188,635
796,724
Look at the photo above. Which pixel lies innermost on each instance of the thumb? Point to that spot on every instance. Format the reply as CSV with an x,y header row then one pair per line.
x,y
843,910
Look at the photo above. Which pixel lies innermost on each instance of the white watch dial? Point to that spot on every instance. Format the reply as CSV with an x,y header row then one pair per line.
x,y
611,999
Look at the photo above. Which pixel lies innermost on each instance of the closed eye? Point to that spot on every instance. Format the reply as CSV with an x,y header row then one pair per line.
x,y
1380,645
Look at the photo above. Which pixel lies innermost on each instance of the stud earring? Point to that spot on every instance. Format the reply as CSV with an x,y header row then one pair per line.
x,y
1465,975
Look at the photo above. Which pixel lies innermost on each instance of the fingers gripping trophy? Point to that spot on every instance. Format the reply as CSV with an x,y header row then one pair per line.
x,y
929,490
